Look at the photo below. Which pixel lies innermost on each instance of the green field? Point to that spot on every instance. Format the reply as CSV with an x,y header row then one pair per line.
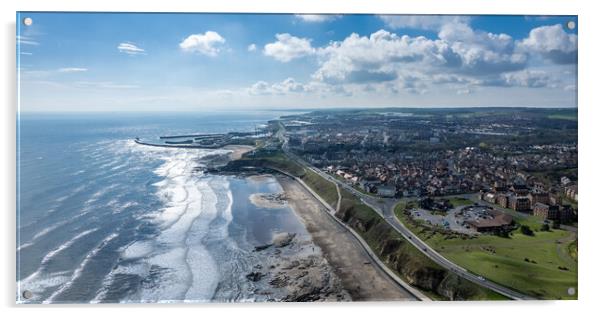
x,y
569,117
326,189
402,257
459,201
540,265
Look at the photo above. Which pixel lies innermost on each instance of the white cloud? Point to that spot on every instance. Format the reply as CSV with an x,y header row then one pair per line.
x,y
288,47
529,78
552,43
252,47
317,18
288,85
385,56
259,88
130,49
422,22
73,69
103,85
209,44
25,40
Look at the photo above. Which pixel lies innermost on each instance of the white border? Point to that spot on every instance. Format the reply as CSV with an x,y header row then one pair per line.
x,y
589,152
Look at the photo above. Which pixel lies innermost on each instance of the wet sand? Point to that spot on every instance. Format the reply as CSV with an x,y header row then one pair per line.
x,y
362,279
238,150
268,200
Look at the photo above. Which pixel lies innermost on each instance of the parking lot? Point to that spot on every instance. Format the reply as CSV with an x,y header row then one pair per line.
x,y
454,219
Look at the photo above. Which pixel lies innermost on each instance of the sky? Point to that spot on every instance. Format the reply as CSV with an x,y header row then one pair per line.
x,y
194,62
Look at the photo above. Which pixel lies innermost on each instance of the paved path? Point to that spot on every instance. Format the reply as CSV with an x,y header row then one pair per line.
x,y
360,276
372,256
388,214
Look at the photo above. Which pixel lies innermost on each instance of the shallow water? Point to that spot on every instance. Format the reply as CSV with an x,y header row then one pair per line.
x,y
102,219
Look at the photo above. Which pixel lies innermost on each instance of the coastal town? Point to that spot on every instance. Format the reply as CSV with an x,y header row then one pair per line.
x,y
461,187
516,159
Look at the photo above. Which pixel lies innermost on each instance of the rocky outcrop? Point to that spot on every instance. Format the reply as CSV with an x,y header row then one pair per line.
x,y
296,272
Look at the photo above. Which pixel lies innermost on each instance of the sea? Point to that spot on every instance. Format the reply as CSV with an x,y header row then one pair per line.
x,y
103,219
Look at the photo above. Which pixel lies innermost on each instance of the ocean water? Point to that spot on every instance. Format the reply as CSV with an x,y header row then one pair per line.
x,y
102,219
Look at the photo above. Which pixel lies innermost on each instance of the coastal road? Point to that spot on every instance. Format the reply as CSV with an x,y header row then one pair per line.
x,y
409,290
385,208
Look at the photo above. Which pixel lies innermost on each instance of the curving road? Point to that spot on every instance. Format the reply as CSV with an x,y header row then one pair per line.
x,y
385,207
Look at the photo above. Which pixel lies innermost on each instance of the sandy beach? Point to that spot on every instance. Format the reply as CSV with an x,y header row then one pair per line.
x,y
268,200
238,150
362,280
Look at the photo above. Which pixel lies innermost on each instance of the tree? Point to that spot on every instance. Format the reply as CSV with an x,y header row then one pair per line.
x,y
545,228
526,230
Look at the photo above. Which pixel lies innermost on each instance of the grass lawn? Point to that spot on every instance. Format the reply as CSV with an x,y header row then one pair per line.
x,y
569,117
326,189
459,201
529,264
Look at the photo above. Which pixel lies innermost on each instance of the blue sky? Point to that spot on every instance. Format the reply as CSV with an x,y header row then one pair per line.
x,y
190,62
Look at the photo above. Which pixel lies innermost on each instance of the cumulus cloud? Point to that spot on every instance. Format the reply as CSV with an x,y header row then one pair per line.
x,y
529,78
384,56
317,18
252,47
552,43
259,88
460,60
210,43
288,85
422,22
482,52
130,49
73,69
288,47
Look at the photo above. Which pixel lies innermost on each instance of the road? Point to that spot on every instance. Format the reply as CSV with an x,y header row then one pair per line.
x,y
409,290
385,208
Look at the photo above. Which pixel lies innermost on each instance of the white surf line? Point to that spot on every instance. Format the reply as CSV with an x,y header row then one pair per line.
x,y
56,251
77,272
30,281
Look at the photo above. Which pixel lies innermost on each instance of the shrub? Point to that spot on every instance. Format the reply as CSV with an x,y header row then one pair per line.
x,y
526,230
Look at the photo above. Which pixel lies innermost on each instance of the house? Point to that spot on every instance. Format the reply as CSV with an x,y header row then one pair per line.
x,y
502,200
539,197
558,213
497,223
489,197
571,192
544,211
519,189
519,203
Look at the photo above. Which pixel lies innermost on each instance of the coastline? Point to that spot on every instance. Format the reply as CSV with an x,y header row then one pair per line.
x,y
351,264
287,265
238,150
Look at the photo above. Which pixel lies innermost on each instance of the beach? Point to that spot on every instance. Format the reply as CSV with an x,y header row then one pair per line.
x,y
359,276
238,150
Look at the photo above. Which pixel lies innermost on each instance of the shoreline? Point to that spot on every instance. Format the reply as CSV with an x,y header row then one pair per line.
x,y
238,150
351,264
